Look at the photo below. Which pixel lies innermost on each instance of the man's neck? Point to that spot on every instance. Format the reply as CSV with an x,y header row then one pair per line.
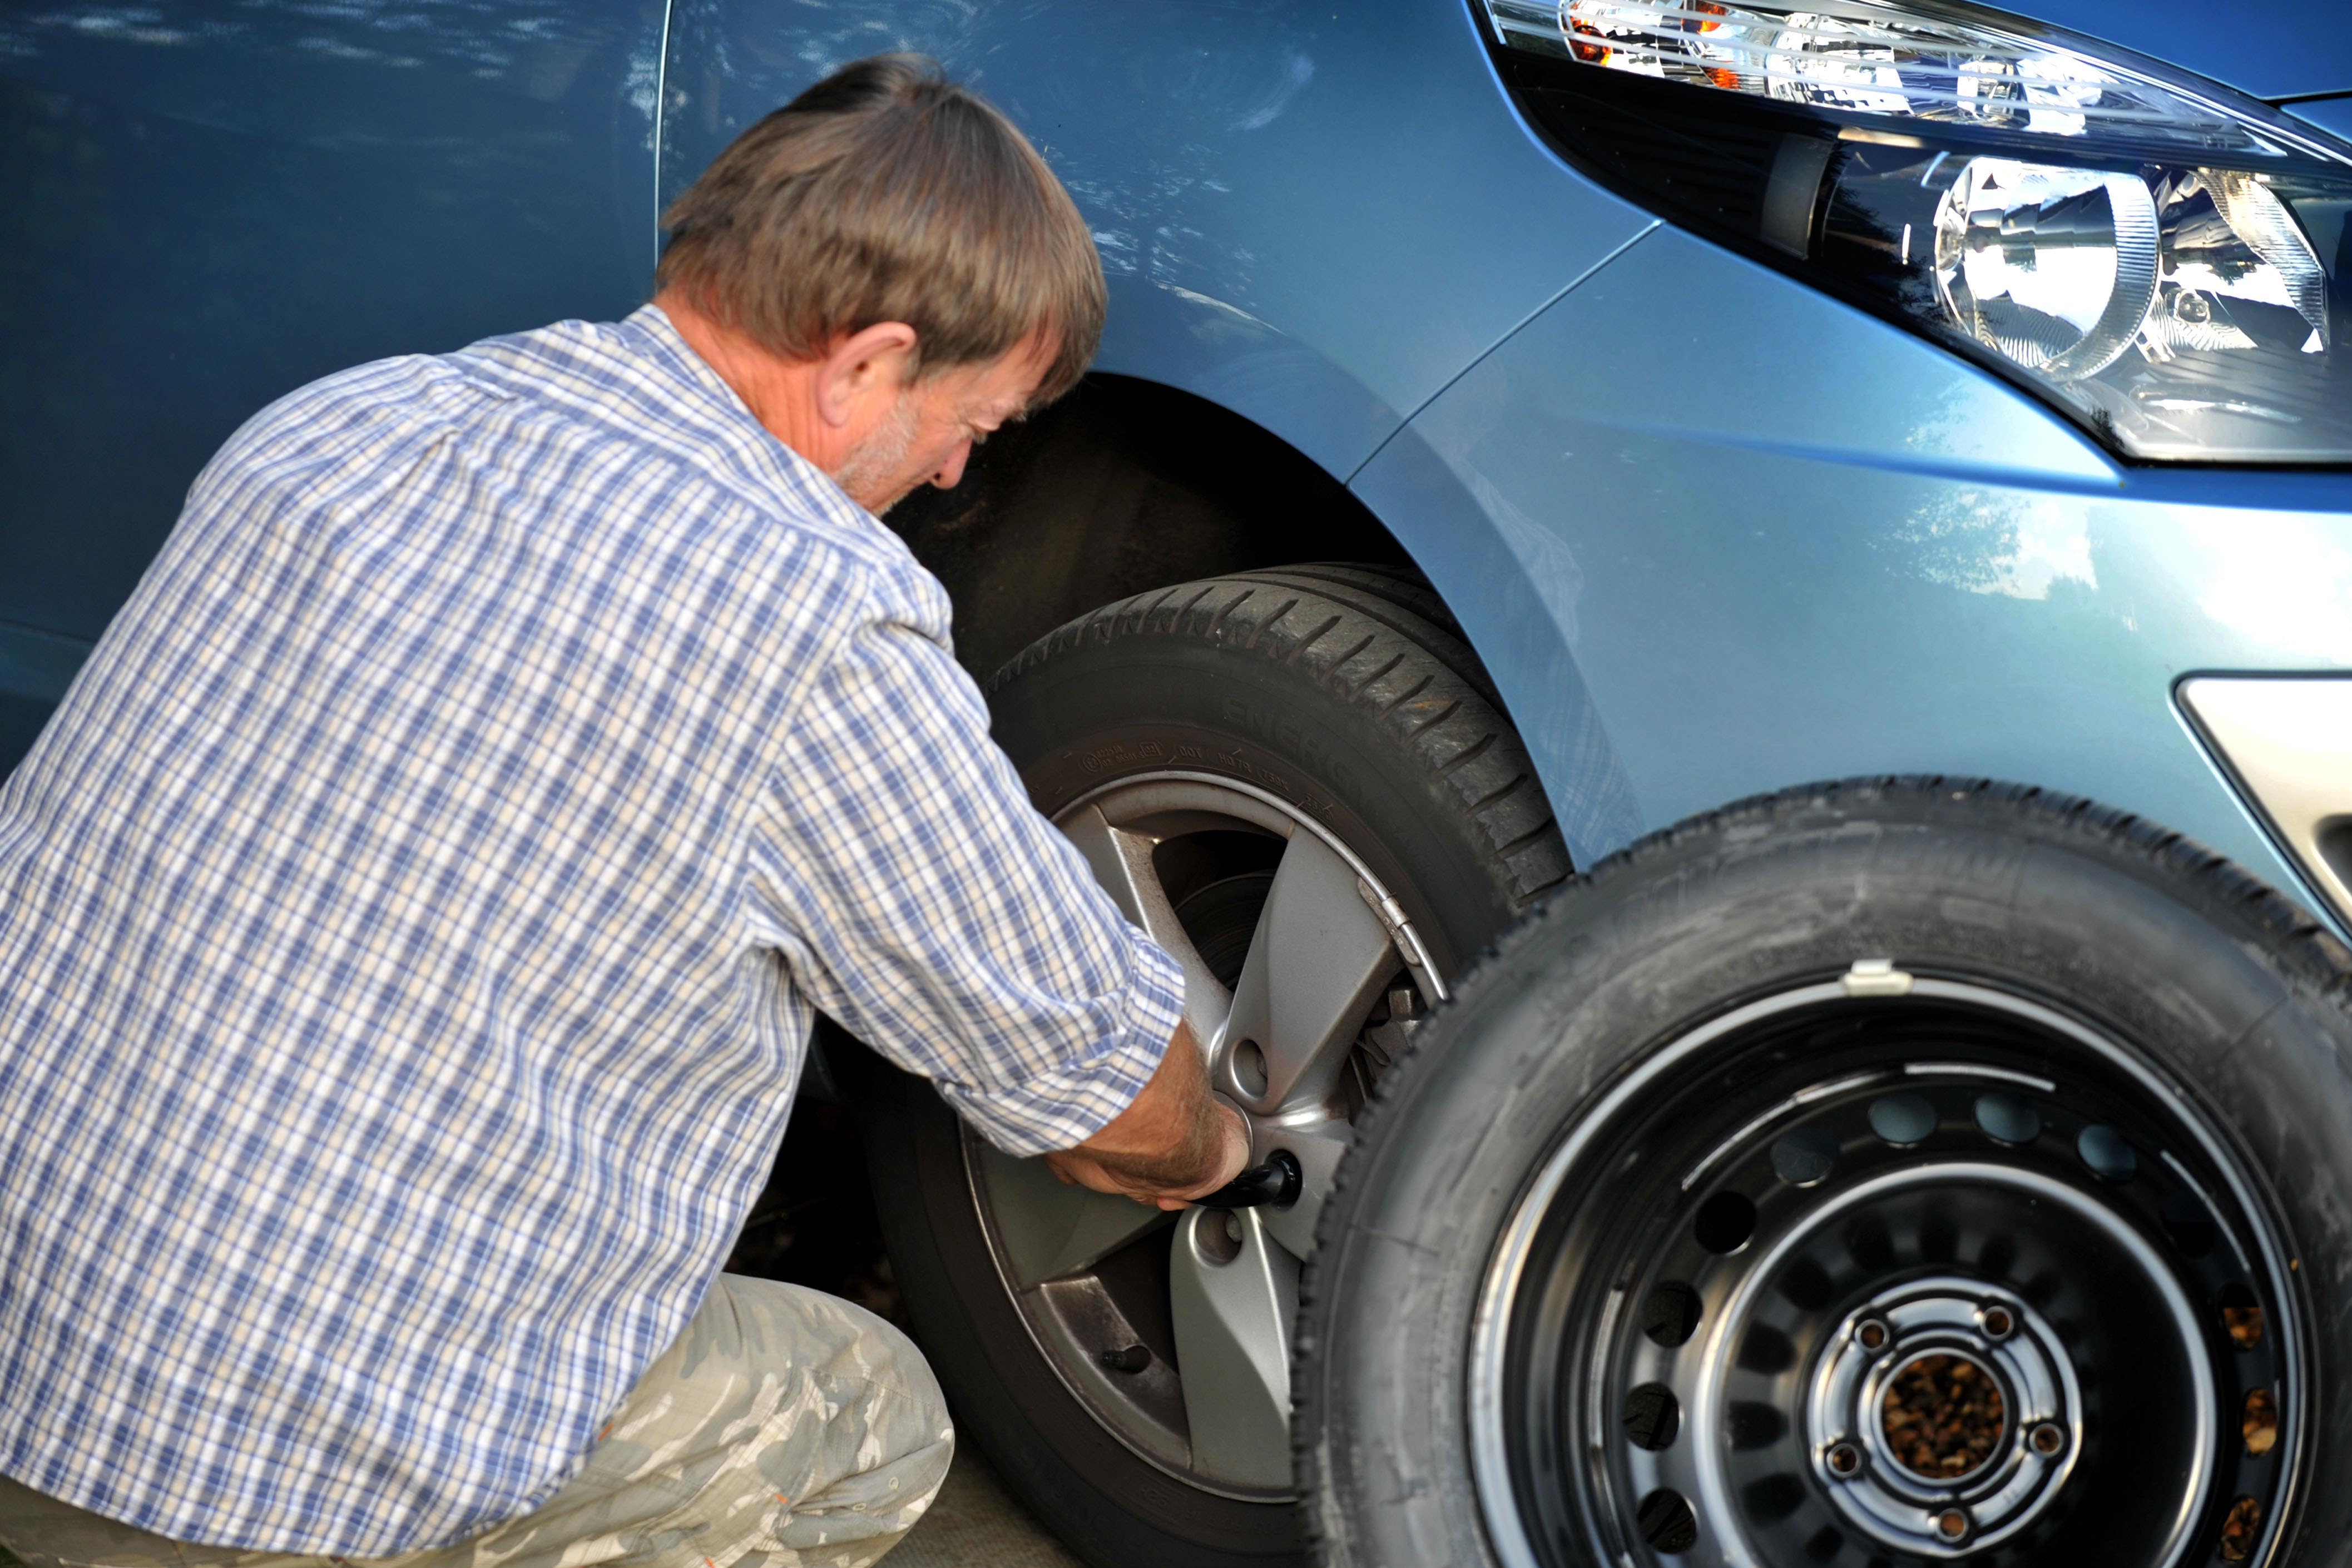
x,y
780,392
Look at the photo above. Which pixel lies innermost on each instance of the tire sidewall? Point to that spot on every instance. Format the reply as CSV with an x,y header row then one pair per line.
x,y
1069,727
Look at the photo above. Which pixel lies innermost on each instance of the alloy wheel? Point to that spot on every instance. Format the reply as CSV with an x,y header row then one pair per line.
x,y
1303,976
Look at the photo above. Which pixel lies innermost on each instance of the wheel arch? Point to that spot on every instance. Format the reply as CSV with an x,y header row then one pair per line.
x,y
1126,485
1130,483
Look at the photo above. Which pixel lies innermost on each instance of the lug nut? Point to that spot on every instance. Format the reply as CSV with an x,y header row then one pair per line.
x,y
1844,1460
1871,1335
1952,1525
1997,1322
2048,1438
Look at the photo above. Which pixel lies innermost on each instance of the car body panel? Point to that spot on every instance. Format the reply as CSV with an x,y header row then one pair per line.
x,y
1911,568
1309,215
1712,531
210,204
2330,114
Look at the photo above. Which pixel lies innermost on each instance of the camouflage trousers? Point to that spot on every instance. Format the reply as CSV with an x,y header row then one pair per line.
x,y
784,1429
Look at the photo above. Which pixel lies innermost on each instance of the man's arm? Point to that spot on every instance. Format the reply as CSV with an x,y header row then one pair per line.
x,y
1173,1143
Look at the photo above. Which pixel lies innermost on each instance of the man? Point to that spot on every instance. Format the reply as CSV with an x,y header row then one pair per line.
x,y
412,920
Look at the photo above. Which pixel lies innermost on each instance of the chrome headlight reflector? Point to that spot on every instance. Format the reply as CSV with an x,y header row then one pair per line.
x,y
2157,257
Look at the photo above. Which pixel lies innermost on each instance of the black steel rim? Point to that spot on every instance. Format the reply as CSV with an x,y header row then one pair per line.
x,y
1885,1270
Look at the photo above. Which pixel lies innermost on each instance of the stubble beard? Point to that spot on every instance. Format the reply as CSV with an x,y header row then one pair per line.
x,y
878,460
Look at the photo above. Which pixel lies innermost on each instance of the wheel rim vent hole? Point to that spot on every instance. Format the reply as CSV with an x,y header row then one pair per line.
x,y
2241,1318
2006,1119
1666,1521
1652,1417
2107,1153
2260,1423
2240,1528
1804,1157
1723,1223
1943,1417
1902,1119
1670,1313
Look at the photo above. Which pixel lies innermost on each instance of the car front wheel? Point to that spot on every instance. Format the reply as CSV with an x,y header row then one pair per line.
x,y
1300,783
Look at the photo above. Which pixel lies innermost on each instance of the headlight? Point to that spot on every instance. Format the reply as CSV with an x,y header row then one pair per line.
x,y
2160,258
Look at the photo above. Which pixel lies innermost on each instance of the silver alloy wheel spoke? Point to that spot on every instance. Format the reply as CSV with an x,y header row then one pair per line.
x,y
1315,967
1196,1379
1045,1231
1121,862
1231,1303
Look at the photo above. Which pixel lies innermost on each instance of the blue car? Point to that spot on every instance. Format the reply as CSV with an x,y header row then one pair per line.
x,y
1520,428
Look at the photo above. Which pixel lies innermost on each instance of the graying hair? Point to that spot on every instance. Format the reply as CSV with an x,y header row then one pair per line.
x,y
886,193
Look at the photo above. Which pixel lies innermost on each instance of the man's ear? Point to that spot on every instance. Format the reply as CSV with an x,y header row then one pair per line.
x,y
876,362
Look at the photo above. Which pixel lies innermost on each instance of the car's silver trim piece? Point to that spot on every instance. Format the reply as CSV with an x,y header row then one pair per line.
x,y
2286,742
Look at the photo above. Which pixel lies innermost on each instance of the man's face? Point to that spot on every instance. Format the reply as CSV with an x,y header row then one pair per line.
x,y
924,435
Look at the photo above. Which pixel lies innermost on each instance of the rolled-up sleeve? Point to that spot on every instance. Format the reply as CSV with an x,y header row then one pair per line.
x,y
918,898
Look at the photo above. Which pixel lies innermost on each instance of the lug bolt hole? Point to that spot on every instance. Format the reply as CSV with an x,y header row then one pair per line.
x,y
1998,1322
1952,1525
1249,1067
1844,1460
1871,1335
2048,1439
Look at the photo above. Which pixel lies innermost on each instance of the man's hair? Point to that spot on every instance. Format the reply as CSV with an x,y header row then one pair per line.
x,y
885,193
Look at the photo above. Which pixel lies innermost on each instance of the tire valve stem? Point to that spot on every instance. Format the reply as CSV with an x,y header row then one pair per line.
x,y
1133,1359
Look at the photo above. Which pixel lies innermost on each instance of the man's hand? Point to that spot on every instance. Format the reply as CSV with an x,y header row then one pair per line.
x,y
1175,1142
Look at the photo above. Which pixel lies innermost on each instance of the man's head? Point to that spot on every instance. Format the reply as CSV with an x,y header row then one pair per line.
x,y
885,271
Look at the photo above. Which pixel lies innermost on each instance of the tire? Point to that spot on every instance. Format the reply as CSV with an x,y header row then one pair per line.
x,y
1256,729
1815,1113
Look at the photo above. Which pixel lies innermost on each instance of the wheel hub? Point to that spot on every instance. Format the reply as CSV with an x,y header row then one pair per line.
x,y
1942,1416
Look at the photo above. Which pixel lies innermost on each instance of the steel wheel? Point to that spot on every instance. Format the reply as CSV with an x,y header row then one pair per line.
x,y
1889,1270
1302,977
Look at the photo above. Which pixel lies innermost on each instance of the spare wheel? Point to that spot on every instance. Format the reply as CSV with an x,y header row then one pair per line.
x,y
1889,1173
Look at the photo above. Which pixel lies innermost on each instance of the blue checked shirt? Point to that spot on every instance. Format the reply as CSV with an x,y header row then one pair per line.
x,y
410,925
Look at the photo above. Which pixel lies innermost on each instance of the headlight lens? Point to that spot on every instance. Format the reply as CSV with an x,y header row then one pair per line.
x,y
2157,257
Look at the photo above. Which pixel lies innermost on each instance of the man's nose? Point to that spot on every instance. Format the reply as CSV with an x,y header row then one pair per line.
x,y
952,470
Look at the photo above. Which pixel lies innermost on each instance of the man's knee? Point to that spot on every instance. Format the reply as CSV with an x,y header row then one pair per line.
x,y
776,1327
